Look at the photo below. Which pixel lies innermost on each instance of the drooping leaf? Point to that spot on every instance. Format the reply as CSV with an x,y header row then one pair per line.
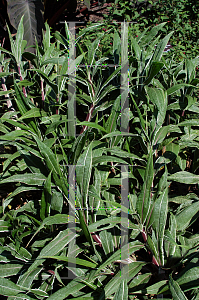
x,y
31,179
184,177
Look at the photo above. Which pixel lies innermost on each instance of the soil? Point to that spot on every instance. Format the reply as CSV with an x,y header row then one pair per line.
x,y
94,14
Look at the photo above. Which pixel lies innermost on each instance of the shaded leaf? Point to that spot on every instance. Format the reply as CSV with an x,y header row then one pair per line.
x,y
176,291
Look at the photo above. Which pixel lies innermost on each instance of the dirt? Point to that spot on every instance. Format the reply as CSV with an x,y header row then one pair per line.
x,y
94,14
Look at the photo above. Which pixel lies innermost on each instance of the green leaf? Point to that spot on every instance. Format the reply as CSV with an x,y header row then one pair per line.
x,y
56,219
184,177
117,151
107,241
13,135
20,125
156,66
130,270
4,74
92,50
160,47
153,246
26,281
110,78
159,135
25,83
158,220
9,288
107,158
122,292
21,296
33,162
118,133
177,87
188,278
138,281
184,218
31,179
176,291
47,80
144,199
74,63
159,99
8,52
73,287
39,292
92,125
126,250
155,288
107,222
83,171
10,269
74,260
54,247
54,61
46,198
57,201
4,226
2,93
10,159
112,119
148,37
135,48
17,45
84,226
194,122
142,122
24,106
33,113
53,165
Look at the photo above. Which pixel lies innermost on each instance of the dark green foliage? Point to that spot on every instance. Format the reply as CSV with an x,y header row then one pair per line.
x,y
180,16
105,213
